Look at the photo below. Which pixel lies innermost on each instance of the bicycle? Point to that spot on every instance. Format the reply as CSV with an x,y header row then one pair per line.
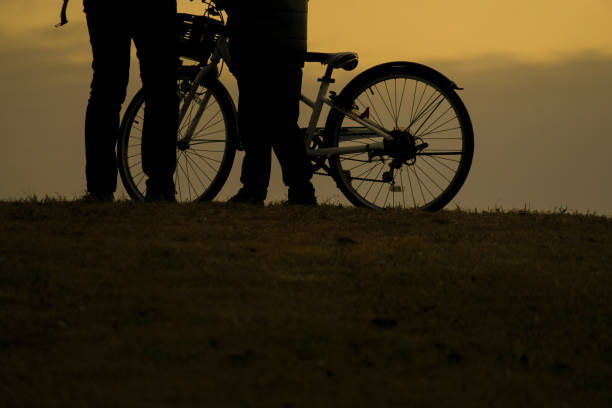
x,y
397,135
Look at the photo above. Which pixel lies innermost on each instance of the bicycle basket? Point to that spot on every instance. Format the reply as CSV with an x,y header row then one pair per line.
x,y
197,36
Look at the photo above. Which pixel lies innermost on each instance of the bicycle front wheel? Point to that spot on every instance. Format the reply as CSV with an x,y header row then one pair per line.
x,y
204,160
433,142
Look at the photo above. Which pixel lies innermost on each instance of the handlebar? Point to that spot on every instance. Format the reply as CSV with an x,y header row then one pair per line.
x,y
63,17
215,7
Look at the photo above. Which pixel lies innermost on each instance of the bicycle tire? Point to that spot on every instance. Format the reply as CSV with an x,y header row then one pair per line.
x,y
434,119
200,172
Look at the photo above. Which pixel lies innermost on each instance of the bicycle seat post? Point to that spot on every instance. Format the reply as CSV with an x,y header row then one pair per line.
x,y
328,76
326,81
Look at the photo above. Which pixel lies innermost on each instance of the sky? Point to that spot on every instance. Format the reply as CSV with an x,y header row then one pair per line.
x,y
537,79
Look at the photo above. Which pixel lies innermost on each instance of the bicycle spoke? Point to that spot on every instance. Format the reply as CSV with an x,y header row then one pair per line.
x,y
413,101
430,179
391,105
187,177
186,174
206,150
380,96
205,157
380,189
426,110
411,189
196,167
202,141
176,179
210,133
419,183
442,131
207,124
363,179
358,166
437,171
399,108
136,164
436,121
401,172
379,121
346,136
441,163
419,103
372,185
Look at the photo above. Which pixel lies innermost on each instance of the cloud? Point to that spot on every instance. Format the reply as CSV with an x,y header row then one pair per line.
x,y
543,130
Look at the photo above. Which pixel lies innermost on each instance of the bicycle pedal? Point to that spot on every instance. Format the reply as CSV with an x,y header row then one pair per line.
x,y
394,188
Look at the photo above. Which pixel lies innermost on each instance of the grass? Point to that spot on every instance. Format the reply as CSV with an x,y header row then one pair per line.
x,y
219,305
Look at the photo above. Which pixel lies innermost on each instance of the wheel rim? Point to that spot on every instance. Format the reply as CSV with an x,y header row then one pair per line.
x,y
198,160
405,105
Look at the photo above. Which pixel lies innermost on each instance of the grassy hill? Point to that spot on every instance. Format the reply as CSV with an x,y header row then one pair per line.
x,y
218,305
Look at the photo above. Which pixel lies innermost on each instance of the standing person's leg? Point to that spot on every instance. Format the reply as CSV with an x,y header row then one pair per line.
x,y
287,140
155,38
255,118
110,44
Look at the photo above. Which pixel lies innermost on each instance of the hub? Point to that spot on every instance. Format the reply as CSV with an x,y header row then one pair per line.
x,y
402,148
182,145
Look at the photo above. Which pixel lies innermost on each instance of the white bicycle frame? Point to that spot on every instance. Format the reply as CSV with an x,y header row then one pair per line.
x,y
222,53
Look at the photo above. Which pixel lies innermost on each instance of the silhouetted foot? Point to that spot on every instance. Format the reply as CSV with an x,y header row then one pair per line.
x,y
160,192
249,196
302,195
155,197
97,197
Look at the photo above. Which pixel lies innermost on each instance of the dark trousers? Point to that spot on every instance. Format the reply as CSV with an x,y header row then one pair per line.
x,y
268,112
112,25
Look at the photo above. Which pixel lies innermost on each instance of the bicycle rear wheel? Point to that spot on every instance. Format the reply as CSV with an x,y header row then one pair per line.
x,y
204,161
431,154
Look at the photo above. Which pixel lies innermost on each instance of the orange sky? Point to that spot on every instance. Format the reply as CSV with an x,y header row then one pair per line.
x,y
404,29
462,29
536,73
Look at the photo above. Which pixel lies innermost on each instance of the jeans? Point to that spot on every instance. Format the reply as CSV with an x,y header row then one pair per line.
x,y
267,120
112,25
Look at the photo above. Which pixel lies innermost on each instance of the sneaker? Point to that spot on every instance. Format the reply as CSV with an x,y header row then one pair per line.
x,y
303,195
155,197
159,193
98,197
249,196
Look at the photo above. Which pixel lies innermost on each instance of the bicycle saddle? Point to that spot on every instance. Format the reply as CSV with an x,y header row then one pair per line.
x,y
348,61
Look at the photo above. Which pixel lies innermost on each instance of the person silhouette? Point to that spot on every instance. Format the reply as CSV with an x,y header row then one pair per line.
x,y
112,26
268,45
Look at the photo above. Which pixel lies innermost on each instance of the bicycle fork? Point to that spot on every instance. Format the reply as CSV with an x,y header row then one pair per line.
x,y
191,97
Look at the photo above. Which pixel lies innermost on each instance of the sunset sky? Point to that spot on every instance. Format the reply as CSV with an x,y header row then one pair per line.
x,y
537,78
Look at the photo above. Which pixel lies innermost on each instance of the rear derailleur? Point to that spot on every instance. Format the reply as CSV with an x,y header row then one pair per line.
x,y
402,149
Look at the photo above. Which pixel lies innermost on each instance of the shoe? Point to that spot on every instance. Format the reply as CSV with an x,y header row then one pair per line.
x,y
98,197
160,193
249,196
302,195
156,197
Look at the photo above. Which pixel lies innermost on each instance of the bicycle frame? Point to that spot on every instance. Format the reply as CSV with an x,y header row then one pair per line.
x,y
317,108
221,52
371,128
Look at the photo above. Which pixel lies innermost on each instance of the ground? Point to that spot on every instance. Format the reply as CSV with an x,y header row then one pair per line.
x,y
227,305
